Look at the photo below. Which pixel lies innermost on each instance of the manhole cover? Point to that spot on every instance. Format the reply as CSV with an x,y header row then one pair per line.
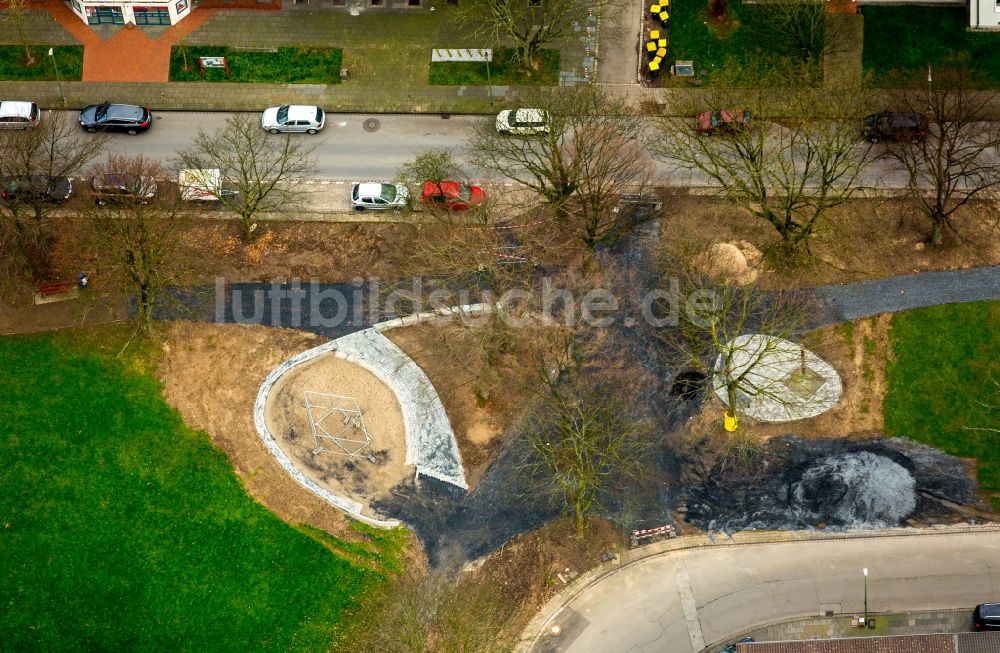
x,y
372,125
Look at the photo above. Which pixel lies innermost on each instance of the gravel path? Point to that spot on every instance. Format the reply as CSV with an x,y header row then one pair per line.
x,y
851,301
319,308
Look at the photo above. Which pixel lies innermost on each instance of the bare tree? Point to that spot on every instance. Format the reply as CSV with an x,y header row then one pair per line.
x,y
611,166
14,14
36,164
262,168
788,173
531,24
591,151
955,167
709,334
582,441
140,242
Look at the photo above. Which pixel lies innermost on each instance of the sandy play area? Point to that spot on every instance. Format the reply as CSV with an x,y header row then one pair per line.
x,y
377,467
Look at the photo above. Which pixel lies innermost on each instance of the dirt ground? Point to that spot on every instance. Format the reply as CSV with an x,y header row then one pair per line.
x,y
359,478
479,409
858,351
211,374
863,239
326,252
526,571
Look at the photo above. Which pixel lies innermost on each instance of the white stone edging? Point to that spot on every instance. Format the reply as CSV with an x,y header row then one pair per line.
x,y
352,508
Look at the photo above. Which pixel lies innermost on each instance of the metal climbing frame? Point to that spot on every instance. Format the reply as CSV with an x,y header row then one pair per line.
x,y
337,419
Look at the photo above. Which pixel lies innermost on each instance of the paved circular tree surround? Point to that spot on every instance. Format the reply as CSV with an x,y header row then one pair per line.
x,y
781,381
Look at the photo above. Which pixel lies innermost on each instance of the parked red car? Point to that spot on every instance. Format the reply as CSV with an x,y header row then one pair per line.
x,y
452,195
724,120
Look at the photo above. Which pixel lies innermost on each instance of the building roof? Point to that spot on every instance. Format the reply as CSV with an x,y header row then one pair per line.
x,y
959,643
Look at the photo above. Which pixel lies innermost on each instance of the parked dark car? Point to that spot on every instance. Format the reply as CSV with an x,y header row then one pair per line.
x,y
986,616
732,647
122,187
899,126
116,117
28,189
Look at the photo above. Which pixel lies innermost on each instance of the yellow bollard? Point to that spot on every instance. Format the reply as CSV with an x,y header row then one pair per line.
x,y
729,422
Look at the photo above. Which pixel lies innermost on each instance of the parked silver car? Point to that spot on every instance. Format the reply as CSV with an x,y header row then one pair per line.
x,y
378,197
15,114
523,122
293,118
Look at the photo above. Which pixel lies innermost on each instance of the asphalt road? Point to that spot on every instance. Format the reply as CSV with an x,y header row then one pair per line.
x,y
346,151
684,601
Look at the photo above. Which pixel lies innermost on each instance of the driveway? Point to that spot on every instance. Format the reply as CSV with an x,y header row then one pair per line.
x,y
685,600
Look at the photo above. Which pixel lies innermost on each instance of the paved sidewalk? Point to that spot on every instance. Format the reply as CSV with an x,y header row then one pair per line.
x,y
907,623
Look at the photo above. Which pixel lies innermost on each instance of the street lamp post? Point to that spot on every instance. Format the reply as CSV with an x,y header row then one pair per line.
x,y
62,96
865,571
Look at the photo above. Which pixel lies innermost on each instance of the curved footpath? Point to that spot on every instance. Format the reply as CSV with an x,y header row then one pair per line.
x,y
687,594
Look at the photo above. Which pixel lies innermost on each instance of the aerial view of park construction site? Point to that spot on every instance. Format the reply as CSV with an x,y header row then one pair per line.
x,y
401,327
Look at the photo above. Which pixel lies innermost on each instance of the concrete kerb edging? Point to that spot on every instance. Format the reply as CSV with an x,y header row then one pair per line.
x,y
351,508
842,615
535,629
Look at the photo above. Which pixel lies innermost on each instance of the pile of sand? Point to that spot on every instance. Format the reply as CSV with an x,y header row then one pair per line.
x,y
734,262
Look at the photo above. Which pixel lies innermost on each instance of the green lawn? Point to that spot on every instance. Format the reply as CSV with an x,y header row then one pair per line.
x,y
752,39
124,530
68,59
900,42
286,66
939,385
504,71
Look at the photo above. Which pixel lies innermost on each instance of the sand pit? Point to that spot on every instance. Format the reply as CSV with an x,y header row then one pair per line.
x,y
358,478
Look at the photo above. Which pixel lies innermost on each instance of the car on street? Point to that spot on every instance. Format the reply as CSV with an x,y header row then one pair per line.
x,y
986,616
122,188
523,122
724,121
732,647
293,118
451,195
15,114
111,117
898,126
376,196
28,189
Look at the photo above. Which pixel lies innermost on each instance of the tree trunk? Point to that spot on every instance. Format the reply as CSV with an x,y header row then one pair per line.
x,y
144,309
937,232
578,514
731,394
249,227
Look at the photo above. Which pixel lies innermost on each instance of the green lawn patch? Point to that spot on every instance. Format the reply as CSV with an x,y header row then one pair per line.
x,y
68,58
286,66
504,71
752,40
900,41
940,384
122,529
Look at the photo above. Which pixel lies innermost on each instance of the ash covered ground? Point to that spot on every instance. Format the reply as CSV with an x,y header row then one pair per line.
x,y
832,483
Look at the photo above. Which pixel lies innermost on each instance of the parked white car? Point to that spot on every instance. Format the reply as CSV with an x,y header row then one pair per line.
x,y
378,197
293,118
15,114
523,122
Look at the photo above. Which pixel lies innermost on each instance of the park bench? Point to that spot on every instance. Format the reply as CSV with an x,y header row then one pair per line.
x,y
55,292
